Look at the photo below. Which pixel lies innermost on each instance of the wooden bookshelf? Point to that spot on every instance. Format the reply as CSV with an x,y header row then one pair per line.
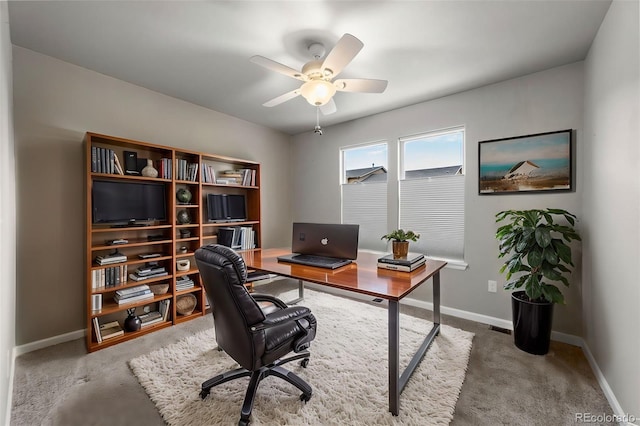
x,y
172,238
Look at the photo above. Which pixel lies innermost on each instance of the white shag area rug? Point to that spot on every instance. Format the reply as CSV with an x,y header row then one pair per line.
x,y
347,371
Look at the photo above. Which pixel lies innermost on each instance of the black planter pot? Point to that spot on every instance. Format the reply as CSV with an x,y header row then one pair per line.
x,y
531,324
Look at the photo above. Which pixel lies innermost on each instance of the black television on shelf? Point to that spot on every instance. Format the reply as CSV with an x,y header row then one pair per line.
x,y
226,208
121,203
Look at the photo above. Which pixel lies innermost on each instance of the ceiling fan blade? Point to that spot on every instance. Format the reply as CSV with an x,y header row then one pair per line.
x,y
278,67
360,85
282,98
329,107
344,51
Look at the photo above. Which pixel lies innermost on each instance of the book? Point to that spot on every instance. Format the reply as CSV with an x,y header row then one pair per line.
x,y
406,261
131,290
118,166
132,299
130,295
147,271
135,277
163,307
402,268
108,260
150,318
110,330
96,329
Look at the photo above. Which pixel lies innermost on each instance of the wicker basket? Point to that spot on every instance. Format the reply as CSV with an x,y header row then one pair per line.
x,y
159,288
186,304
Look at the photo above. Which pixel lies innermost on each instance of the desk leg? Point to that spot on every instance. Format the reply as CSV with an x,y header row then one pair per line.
x,y
436,298
396,382
394,357
300,294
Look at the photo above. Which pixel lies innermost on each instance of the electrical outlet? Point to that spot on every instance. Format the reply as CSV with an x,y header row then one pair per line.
x,y
493,286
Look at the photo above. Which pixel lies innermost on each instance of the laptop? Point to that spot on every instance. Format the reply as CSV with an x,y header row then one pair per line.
x,y
323,245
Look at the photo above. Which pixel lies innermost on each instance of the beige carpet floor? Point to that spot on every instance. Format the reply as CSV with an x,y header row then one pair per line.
x,y
64,385
347,371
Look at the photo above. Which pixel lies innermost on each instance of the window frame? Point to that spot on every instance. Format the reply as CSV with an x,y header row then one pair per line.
x,y
343,170
453,263
423,135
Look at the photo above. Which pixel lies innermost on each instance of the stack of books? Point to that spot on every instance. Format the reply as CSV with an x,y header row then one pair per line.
x,y
148,271
405,264
185,170
110,259
237,237
184,283
133,294
155,317
106,331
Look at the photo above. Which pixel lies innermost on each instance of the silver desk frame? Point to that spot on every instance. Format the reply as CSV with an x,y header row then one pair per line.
x,y
398,381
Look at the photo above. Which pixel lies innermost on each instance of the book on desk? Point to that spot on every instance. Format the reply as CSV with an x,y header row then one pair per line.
x,y
405,264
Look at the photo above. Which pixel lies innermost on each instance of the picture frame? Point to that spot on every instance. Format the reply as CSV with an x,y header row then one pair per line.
x,y
540,162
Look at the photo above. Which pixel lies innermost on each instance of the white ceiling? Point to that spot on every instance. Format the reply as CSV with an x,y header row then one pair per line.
x,y
199,51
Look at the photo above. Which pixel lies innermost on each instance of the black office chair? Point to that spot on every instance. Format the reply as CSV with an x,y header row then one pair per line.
x,y
255,337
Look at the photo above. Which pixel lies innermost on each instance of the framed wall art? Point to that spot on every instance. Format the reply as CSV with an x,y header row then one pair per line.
x,y
531,163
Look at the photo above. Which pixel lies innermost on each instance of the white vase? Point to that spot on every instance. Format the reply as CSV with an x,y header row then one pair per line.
x,y
149,170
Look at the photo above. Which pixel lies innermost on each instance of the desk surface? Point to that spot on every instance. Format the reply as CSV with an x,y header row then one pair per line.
x,y
361,276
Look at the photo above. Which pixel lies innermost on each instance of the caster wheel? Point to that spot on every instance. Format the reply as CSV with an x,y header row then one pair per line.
x,y
243,423
304,362
204,393
305,397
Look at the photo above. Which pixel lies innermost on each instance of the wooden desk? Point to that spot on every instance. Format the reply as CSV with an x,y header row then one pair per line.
x,y
363,276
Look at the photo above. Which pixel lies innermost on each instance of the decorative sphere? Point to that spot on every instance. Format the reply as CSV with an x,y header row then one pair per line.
x,y
183,217
183,195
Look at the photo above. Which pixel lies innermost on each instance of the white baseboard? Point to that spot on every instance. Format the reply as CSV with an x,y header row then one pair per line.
x,y
12,370
606,389
34,346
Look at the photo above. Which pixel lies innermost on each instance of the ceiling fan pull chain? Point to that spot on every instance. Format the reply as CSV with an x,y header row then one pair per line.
x,y
318,130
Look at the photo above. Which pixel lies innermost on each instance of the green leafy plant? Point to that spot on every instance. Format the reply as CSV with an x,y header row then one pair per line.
x,y
401,235
538,251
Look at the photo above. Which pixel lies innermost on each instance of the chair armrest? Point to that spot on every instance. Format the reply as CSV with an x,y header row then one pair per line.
x,y
291,313
258,297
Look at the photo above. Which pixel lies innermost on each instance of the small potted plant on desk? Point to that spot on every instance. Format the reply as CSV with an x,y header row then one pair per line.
x,y
538,254
400,241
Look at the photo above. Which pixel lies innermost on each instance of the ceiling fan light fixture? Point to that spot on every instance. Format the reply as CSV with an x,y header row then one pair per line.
x,y
317,92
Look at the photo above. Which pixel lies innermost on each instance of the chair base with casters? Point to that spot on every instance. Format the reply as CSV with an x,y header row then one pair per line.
x,y
274,369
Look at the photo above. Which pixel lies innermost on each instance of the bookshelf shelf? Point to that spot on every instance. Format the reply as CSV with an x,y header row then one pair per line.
x,y
178,169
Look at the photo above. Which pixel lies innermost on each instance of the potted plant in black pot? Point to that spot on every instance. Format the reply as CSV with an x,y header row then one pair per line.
x,y
538,254
400,241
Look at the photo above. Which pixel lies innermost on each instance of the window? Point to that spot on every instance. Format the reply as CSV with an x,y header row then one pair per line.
x,y
364,192
432,192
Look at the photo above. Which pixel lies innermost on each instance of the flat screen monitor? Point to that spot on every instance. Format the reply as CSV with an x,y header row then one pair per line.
x,y
125,202
226,208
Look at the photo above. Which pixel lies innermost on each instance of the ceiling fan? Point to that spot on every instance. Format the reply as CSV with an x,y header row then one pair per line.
x,y
318,74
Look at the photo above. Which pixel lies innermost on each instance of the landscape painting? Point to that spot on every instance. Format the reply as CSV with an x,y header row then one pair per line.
x,y
532,163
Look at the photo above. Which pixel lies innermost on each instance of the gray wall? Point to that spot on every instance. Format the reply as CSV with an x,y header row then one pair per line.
x,y
55,103
541,102
612,203
7,217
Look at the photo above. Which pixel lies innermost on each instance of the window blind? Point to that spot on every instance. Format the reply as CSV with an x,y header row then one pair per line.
x,y
434,208
365,204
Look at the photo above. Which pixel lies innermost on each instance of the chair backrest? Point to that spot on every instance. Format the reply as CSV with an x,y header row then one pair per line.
x,y
224,274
